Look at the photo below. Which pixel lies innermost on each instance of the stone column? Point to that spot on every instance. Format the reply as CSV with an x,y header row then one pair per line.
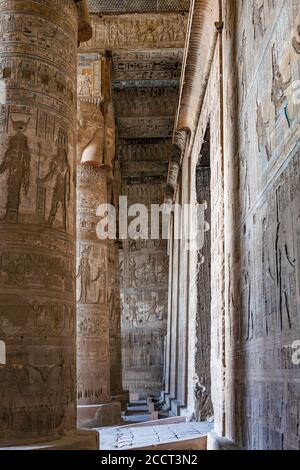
x,y
116,382
93,314
38,41
116,385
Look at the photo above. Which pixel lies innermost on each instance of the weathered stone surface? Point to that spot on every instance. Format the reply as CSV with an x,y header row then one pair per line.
x,y
119,6
131,31
254,225
167,436
160,64
262,248
143,269
93,381
143,274
37,212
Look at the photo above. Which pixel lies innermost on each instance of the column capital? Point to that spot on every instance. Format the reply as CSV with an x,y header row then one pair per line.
x,y
85,31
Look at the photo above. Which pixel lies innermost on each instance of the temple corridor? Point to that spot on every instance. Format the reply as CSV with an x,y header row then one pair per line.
x,y
150,224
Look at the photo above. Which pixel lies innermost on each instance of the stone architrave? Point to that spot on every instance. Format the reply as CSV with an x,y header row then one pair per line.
x,y
38,41
132,31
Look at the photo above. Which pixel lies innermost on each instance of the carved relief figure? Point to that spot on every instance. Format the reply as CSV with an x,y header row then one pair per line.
x,y
84,85
258,19
153,310
296,41
244,169
242,66
60,171
17,163
285,265
133,310
202,402
269,275
84,273
101,277
261,129
247,301
163,269
279,87
132,272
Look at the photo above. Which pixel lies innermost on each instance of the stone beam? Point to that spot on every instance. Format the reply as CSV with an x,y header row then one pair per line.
x,y
202,36
131,32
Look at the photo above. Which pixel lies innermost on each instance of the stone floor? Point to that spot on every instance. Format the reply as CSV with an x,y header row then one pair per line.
x,y
126,438
142,432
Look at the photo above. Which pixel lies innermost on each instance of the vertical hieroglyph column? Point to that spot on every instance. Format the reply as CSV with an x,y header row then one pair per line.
x,y
38,41
93,313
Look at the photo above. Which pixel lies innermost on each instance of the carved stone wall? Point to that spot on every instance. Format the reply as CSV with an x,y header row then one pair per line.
x,y
38,43
144,271
202,382
114,305
98,293
254,225
136,31
93,380
194,304
262,230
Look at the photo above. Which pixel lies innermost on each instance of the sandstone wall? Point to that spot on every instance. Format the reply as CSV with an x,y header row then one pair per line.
x,y
144,271
251,101
262,206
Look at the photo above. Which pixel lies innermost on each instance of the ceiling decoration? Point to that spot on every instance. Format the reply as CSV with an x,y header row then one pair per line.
x,y
121,84
145,40
164,64
137,6
145,127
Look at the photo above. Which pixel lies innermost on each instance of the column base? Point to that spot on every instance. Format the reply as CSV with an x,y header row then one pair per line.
x,y
97,416
82,440
123,398
216,442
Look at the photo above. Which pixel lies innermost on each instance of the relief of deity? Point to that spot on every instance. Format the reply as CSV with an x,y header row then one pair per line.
x,y
84,273
261,129
258,19
296,41
59,171
16,163
101,277
279,87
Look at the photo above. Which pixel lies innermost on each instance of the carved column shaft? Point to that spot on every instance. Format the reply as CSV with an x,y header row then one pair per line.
x,y
38,41
115,325
92,276
95,288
